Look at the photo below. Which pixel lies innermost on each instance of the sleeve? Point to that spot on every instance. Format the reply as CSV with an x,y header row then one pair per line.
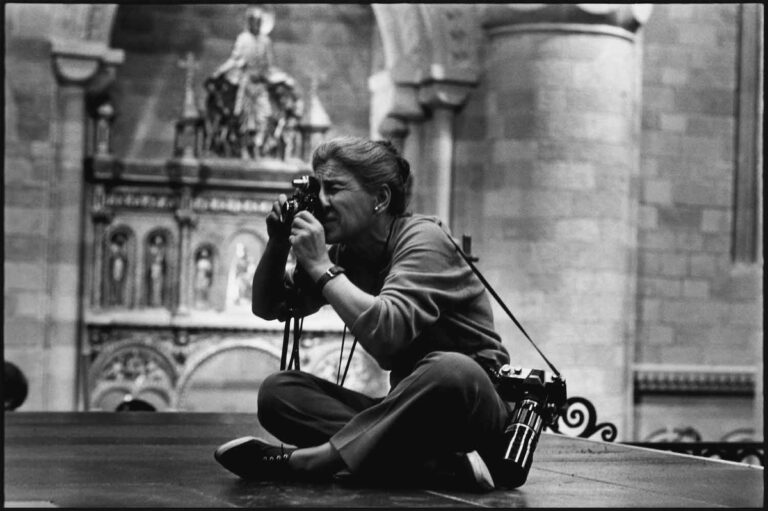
x,y
426,278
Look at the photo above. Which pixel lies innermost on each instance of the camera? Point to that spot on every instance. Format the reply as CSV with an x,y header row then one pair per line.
x,y
539,400
305,198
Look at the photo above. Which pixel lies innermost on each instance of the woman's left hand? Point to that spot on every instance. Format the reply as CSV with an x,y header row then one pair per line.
x,y
308,241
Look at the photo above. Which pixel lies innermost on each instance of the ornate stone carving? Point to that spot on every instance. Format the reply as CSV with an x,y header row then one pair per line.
x,y
131,369
190,128
670,379
157,273
141,200
241,277
253,107
231,205
103,132
117,269
203,277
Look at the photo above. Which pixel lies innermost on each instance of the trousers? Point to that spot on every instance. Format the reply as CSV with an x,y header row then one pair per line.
x,y
448,404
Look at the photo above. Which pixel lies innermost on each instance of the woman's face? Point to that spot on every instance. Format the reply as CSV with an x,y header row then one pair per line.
x,y
348,207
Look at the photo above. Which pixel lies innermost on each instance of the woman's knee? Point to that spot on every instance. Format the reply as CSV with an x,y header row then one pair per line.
x,y
453,370
274,393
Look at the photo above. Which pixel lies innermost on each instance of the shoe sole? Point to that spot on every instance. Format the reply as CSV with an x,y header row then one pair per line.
x,y
222,449
482,476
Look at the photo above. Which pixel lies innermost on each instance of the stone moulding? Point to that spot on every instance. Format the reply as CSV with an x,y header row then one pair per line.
x,y
572,28
700,380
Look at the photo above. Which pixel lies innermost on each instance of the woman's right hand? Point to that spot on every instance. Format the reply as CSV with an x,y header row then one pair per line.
x,y
276,227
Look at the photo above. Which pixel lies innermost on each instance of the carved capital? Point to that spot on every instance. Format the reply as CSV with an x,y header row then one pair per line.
x,y
81,62
102,214
392,127
392,99
628,17
186,217
444,94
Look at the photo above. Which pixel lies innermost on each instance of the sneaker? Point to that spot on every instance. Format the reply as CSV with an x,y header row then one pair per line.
x,y
253,458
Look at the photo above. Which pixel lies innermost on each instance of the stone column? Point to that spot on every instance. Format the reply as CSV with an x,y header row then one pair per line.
x,y
102,216
442,99
76,64
187,220
560,229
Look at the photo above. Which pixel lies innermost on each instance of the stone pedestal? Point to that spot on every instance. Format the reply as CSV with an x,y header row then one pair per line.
x,y
563,97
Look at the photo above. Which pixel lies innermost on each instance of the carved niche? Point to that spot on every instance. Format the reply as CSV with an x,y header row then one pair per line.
x,y
118,267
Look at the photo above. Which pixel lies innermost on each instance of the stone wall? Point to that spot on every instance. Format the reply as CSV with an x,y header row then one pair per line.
x,y
695,304
681,298
31,253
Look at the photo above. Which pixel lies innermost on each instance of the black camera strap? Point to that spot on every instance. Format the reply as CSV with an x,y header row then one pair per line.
x,y
298,324
501,302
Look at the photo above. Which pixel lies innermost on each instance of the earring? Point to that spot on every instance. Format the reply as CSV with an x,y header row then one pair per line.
x,y
376,208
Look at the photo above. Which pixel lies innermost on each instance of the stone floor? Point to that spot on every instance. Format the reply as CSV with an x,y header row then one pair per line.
x,y
141,459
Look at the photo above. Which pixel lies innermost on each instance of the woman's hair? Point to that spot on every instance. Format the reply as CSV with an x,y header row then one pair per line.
x,y
373,163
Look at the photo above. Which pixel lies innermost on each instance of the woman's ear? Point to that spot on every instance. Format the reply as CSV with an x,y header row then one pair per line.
x,y
383,197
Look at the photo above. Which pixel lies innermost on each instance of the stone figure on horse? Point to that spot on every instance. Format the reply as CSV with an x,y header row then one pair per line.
x,y
252,106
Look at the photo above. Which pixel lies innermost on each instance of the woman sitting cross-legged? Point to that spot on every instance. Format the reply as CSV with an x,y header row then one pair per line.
x,y
398,283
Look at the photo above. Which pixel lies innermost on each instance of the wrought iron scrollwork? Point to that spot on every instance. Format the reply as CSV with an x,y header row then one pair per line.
x,y
580,416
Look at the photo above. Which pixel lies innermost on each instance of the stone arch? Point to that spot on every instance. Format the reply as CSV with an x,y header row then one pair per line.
x,y
83,22
135,368
265,351
422,44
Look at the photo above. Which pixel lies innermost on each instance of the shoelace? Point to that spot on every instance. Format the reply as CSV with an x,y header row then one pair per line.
x,y
283,455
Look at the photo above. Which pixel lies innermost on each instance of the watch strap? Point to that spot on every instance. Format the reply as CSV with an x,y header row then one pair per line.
x,y
330,273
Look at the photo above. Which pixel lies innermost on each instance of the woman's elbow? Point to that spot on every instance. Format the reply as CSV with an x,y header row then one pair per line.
x,y
264,312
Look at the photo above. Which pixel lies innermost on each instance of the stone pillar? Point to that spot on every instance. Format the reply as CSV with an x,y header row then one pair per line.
x,y
187,220
560,224
76,64
394,104
102,217
442,99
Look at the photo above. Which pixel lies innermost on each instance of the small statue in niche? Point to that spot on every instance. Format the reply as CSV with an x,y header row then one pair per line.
x,y
246,95
118,269
241,277
203,278
156,271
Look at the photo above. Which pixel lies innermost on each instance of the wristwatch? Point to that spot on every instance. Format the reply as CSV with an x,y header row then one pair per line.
x,y
331,272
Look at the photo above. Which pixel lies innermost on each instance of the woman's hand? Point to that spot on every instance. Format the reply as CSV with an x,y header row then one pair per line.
x,y
308,241
276,228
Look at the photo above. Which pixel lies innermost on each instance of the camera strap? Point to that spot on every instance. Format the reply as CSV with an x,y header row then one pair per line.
x,y
298,324
501,302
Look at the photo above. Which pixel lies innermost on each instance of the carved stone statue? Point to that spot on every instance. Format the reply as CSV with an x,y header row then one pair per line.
x,y
118,267
251,103
156,271
203,278
241,277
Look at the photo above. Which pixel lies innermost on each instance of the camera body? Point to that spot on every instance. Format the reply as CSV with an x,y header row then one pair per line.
x,y
539,399
305,198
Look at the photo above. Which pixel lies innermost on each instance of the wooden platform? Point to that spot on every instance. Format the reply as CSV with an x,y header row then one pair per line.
x,y
138,459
